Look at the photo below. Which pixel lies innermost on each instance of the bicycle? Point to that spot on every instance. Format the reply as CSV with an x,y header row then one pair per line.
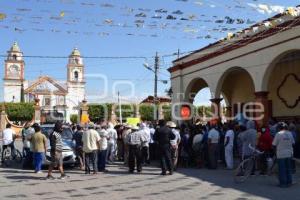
x,y
245,168
8,157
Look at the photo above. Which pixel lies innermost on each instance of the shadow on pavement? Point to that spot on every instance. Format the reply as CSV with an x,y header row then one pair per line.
x,y
261,186
5,171
125,172
25,178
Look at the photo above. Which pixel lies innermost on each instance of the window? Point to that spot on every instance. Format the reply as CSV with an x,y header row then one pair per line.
x,y
76,75
14,57
47,101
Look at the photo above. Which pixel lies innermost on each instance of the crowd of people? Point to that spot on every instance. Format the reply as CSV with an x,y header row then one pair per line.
x,y
190,145
215,143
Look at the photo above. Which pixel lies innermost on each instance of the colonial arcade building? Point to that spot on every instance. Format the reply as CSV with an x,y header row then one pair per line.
x,y
259,64
56,98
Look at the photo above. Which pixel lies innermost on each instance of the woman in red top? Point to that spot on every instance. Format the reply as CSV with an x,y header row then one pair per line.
x,y
264,144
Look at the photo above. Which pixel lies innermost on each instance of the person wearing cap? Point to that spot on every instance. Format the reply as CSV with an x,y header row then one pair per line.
x,y
127,130
27,133
145,145
174,143
135,140
77,137
112,143
248,138
102,149
163,135
91,145
283,142
39,147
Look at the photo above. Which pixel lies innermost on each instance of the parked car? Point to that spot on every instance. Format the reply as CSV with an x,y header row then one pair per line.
x,y
68,154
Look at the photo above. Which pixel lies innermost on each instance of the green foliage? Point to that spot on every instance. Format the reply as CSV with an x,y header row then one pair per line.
x,y
19,111
74,119
167,112
204,111
128,110
99,112
147,112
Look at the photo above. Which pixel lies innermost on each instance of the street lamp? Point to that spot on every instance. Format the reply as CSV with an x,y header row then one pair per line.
x,y
155,71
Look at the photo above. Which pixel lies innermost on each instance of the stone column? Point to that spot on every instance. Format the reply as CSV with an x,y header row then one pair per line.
x,y
136,109
262,99
113,116
37,111
2,119
229,113
216,108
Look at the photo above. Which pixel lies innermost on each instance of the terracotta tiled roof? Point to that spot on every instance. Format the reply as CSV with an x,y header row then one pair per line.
x,y
150,99
223,46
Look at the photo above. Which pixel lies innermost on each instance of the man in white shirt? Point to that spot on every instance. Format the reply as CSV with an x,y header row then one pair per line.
x,y
284,142
112,143
91,145
8,139
152,144
145,144
228,143
103,149
213,143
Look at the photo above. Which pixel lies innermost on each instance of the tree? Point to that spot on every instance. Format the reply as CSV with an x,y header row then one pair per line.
x,y
19,111
74,119
204,111
98,112
127,111
147,112
167,112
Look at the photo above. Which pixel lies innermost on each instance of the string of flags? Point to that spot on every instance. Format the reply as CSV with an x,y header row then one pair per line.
x,y
138,21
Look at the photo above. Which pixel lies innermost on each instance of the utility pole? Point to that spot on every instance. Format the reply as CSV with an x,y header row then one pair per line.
x,y
156,66
120,109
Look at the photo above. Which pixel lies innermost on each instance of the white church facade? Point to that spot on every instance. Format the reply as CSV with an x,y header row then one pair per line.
x,y
56,98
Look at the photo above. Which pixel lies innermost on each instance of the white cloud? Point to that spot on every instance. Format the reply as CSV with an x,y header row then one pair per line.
x,y
267,9
278,9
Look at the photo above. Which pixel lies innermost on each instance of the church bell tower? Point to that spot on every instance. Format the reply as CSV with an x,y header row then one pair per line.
x,y
13,74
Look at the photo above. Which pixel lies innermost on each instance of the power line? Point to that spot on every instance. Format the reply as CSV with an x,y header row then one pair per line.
x,y
85,57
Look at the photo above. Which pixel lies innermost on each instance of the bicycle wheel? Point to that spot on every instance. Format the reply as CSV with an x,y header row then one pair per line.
x,y
271,170
6,159
243,171
18,157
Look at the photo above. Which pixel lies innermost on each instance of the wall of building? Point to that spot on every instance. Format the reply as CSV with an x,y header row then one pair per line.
x,y
290,90
12,88
238,87
75,96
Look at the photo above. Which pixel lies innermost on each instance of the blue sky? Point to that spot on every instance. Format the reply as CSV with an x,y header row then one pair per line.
x,y
110,29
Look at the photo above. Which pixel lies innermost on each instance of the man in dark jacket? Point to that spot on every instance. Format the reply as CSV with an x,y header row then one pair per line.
x,y
162,136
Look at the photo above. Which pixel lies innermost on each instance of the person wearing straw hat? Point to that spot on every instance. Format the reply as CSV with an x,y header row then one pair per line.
x,y
135,140
127,130
174,143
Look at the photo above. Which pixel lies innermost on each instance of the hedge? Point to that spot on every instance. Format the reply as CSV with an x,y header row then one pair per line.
x,y
19,111
74,119
128,110
147,112
98,112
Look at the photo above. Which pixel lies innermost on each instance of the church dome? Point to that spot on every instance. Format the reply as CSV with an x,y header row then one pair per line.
x,y
15,47
75,52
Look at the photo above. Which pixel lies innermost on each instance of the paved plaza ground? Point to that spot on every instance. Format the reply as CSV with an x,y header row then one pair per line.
x,y
118,184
